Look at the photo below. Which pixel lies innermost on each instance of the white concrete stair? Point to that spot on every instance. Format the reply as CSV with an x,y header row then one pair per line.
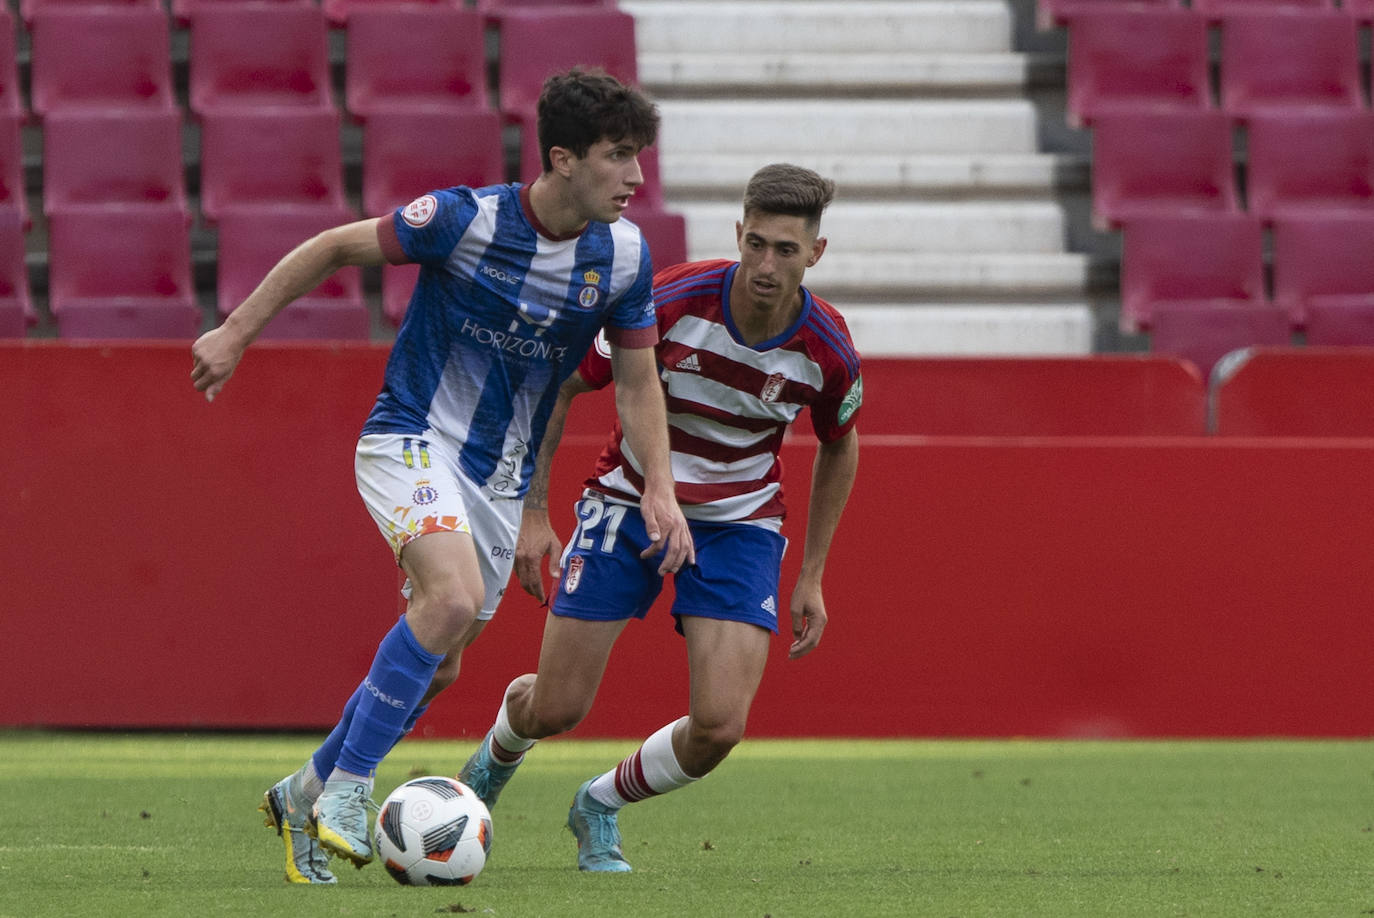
x,y
946,236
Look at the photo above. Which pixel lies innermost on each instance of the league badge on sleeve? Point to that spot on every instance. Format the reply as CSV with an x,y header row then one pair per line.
x,y
420,211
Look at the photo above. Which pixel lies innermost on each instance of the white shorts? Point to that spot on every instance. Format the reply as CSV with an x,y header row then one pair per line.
x,y
412,487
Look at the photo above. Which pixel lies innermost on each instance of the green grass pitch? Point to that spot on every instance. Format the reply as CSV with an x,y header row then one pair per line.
x,y
164,825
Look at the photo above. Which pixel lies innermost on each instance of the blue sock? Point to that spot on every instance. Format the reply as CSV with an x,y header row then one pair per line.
x,y
388,697
328,753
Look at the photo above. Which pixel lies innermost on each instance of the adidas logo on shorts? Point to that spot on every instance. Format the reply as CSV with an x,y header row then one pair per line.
x,y
769,606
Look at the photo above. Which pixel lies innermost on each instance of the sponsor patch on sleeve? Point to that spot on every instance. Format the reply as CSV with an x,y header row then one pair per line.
x,y
852,400
420,211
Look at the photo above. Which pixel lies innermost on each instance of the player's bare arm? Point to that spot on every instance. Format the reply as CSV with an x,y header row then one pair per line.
x,y
832,478
644,418
217,352
538,541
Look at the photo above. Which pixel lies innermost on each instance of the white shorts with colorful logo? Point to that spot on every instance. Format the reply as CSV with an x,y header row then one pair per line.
x,y
412,487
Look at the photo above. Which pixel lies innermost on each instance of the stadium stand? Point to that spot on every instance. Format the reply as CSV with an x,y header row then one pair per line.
x,y
103,57
252,240
1309,159
1217,259
408,151
1289,57
431,54
255,55
1161,162
121,272
121,157
1324,257
536,41
283,156
1136,59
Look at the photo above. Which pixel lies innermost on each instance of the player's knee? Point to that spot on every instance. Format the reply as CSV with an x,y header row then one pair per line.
x,y
445,675
448,609
551,720
716,739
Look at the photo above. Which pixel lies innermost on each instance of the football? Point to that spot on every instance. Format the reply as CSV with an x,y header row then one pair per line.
x,y
433,831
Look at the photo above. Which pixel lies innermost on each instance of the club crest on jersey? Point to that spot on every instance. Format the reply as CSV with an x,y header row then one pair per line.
x,y
420,211
590,294
772,387
574,575
424,493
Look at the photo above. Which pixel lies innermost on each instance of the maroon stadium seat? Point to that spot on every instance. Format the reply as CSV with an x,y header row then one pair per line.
x,y
1322,256
1216,9
1362,10
259,54
1205,332
102,57
1131,60
398,282
1052,13
13,193
252,240
408,152
1161,163
28,7
665,231
11,96
1310,159
121,273
272,156
16,305
129,157
1289,58
1335,320
1196,258
340,12
183,11
536,42
429,54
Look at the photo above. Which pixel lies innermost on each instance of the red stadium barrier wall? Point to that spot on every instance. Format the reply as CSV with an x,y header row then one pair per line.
x,y
158,551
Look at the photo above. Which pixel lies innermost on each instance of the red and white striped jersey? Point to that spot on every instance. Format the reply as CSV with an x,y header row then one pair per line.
x,y
729,404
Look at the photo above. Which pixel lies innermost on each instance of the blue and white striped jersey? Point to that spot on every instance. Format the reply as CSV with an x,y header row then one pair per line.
x,y
501,314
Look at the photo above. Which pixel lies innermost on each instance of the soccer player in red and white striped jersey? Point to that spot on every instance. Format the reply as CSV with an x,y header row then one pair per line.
x,y
744,349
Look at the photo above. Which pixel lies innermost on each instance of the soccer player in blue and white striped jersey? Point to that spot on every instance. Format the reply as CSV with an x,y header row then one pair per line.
x,y
516,281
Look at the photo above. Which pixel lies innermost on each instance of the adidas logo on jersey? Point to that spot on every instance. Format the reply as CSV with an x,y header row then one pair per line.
x,y
769,606
689,363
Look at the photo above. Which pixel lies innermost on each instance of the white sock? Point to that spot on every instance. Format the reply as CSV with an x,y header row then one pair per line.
x,y
512,746
339,774
312,785
651,771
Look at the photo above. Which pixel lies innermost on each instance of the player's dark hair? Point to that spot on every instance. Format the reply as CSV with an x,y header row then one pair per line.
x,y
581,107
792,191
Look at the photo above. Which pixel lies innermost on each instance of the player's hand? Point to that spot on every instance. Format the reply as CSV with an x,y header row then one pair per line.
x,y
214,357
808,619
667,531
536,542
